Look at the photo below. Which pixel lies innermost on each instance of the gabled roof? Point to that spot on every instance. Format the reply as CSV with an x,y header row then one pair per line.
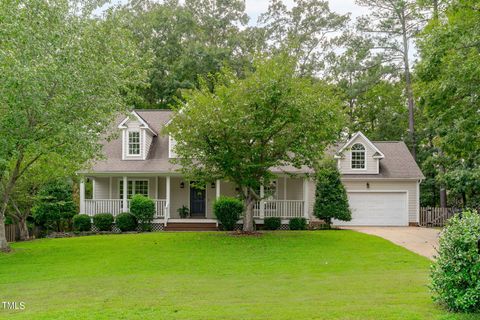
x,y
140,119
397,164
378,154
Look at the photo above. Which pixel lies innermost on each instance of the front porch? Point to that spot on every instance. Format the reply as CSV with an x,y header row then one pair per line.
x,y
111,194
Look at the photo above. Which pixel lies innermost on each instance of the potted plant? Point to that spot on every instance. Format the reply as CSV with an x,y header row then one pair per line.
x,y
184,212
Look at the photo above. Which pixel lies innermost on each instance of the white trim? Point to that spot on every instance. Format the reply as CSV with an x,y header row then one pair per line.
x,y
125,194
284,188
143,151
167,196
364,158
145,125
93,189
110,187
417,215
133,186
139,154
156,188
305,198
359,134
217,191
262,202
82,195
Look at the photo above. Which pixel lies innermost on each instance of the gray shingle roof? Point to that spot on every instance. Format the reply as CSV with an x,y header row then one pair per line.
x,y
397,164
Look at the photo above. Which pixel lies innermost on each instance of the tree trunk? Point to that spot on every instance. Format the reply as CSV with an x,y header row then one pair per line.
x,y
409,91
22,225
248,217
3,236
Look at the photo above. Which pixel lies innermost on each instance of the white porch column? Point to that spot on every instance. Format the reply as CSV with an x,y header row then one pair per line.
x,y
217,190
167,191
93,189
82,195
110,188
262,202
305,197
125,195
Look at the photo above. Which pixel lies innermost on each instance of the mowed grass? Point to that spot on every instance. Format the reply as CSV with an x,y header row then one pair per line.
x,y
279,275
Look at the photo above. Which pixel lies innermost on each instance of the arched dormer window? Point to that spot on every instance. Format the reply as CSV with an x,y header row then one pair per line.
x,y
358,156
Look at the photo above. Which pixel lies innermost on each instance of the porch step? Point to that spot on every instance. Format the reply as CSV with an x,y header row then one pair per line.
x,y
191,226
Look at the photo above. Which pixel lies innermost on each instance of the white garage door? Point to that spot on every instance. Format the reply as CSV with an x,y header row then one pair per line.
x,y
377,209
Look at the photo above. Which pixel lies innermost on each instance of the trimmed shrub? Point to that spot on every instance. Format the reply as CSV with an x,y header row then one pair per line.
x,y
103,221
298,224
272,223
228,211
455,274
54,206
143,208
82,222
331,200
126,222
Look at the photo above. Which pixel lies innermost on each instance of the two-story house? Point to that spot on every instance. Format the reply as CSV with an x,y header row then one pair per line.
x,y
381,178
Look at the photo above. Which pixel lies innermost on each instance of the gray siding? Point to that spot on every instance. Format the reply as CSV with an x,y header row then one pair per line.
x,y
344,165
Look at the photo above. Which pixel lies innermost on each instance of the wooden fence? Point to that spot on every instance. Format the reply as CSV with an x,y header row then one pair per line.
x,y
436,216
11,231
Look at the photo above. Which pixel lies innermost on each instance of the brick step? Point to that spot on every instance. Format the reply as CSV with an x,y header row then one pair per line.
x,y
191,226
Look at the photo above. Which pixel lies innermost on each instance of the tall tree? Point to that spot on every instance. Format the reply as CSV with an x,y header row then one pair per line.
x,y
449,84
187,40
65,75
245,127
392,25
371,92
307,31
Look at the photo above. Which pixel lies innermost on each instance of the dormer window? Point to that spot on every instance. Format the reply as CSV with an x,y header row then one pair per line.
x,y
358,156
134,143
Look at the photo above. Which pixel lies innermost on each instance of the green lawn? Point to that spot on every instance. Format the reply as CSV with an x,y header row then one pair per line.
x,y
279,275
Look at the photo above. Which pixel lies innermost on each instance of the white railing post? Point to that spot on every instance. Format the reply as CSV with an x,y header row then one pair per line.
x,y
82,195
167,189
125,195
305,198
262,202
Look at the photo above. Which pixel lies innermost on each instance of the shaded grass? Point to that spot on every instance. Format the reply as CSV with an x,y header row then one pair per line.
x,y
279,275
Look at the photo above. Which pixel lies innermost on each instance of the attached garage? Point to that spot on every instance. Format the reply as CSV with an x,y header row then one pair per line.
x,y
377,208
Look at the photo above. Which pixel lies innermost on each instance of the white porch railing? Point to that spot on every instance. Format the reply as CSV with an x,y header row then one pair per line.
x,y
284,209
115,206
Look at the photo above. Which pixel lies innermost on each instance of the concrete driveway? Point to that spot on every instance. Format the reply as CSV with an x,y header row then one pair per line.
x,y
423,241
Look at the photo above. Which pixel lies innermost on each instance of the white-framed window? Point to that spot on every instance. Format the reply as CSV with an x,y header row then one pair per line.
x,y
134,143
134,187
358,156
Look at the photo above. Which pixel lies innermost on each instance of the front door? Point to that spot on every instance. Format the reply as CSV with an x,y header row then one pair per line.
x,y
197,202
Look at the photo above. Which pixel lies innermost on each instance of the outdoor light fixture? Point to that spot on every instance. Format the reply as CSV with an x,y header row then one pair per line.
x,y
182,185
368,185
213,185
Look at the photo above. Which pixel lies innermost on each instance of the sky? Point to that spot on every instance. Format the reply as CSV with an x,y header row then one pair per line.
x,y
255,7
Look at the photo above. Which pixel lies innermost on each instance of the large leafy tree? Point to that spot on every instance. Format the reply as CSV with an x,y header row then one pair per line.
x,y
188,40
372,95
449,74
244,127
65,75
308,30
392,26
